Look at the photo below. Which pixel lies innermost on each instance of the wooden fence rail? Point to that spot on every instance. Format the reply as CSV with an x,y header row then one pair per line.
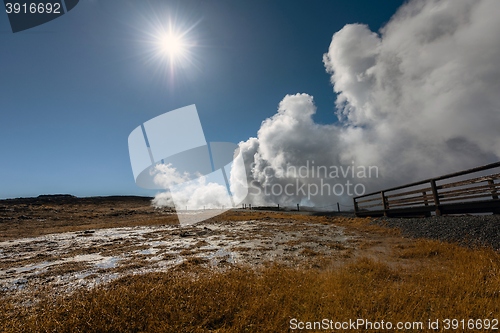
x,y
479,194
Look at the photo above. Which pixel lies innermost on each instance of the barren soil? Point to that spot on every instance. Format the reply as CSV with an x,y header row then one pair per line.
x,y
61,243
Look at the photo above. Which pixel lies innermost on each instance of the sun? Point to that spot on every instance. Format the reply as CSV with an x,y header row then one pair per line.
x,y
172,45
169,45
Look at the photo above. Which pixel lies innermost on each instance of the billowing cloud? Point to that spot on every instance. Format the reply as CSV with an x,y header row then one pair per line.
x,y
186,191
418,99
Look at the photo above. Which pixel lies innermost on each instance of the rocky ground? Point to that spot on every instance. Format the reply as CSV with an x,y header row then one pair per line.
x,y
59,243
28,217
467,230
62,242
85,258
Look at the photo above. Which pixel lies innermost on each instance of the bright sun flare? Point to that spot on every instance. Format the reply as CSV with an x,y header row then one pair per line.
x,y
172,45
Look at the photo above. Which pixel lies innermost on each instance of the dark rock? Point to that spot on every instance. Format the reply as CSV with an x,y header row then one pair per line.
x,y
467,230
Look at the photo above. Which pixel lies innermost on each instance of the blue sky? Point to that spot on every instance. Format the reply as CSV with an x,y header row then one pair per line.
x,y
73,89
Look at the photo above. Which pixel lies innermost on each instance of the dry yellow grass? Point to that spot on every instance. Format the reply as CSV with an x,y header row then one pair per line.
x,y
417,281
451,282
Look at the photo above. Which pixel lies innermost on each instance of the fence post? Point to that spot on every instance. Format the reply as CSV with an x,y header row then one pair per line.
x,y
424,194
384,203
298,209
338,207
493,189
436,197
355,206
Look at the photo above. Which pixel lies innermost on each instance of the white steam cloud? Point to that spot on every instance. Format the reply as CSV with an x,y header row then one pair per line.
x,y
193,192
418,99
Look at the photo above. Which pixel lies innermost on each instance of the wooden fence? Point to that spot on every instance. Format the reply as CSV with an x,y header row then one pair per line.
x,y
469,192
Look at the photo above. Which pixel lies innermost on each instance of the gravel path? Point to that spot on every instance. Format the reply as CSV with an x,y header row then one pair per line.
x,y
468,230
